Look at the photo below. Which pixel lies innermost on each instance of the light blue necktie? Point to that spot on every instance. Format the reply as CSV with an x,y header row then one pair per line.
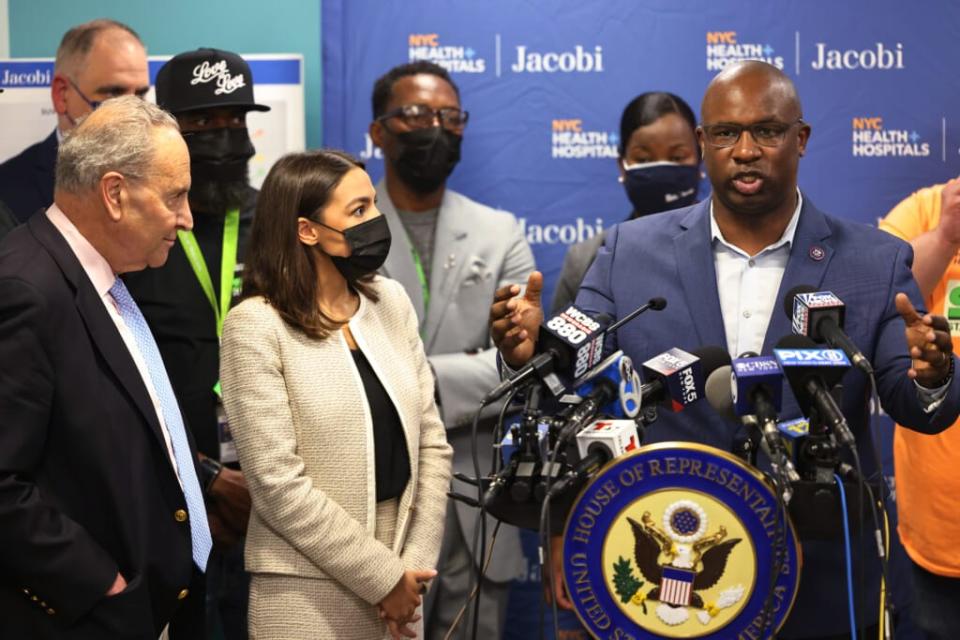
x,y
199,529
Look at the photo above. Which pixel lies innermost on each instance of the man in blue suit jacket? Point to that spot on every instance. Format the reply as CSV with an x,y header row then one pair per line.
x,y
96,60
725,265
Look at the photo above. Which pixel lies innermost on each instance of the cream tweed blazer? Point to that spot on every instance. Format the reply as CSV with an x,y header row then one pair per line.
x,y
301,422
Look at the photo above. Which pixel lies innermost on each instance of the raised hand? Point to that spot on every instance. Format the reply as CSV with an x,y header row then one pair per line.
x,y
515,320
928,339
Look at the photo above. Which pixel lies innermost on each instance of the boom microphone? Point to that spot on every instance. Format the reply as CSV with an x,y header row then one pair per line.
x,y
818,315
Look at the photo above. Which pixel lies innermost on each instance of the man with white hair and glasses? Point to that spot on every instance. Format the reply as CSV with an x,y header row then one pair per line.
x,y
103,531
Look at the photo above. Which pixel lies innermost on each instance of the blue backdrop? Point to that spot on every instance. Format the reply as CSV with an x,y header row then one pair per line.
x,y
545,82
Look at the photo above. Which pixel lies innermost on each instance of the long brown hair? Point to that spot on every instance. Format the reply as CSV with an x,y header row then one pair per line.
x,y
278,266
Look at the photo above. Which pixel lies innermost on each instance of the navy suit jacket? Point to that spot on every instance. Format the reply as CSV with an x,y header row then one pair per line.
x,y
26,180
670,255
86,484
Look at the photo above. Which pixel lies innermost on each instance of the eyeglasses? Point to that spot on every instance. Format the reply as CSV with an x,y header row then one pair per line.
x,y
765,134
420,116
93,103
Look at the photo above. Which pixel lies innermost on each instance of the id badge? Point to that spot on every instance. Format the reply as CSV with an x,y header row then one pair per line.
x,y
228,448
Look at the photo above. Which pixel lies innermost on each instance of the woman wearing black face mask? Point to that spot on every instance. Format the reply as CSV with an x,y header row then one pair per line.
x,y
330,401
659,165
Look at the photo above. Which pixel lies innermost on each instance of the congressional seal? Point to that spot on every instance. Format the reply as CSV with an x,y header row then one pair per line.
x,y
680,540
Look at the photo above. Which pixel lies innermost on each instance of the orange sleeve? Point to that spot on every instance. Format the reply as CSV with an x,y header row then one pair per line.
x,y
913,216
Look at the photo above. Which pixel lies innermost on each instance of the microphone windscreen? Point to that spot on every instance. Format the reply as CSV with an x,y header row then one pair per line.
x,y
711,358
794,341
718,391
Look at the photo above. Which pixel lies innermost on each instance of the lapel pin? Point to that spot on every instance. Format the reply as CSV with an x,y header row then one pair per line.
x,y
817,253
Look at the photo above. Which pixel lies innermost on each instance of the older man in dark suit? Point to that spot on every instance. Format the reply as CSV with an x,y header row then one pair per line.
x,y
103,532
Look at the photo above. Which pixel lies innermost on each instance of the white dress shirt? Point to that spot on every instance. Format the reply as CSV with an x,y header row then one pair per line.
x,y
102,277
748,285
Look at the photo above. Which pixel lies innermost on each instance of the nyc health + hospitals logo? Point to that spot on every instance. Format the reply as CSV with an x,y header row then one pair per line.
x,y
872,138
572,140
454,58
727,47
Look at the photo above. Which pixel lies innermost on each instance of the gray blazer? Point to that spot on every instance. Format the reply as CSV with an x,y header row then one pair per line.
x,y
477,249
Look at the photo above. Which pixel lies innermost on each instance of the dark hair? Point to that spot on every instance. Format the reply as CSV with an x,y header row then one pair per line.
x,y
649,107
383,87
278,266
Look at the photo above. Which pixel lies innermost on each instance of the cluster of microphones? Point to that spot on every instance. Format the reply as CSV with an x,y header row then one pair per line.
x,y
603,404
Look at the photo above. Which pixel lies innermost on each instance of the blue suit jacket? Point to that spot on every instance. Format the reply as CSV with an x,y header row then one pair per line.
x,y
26,180
670,255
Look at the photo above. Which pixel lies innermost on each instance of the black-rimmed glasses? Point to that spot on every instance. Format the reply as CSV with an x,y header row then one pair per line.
x,y
766,134
420,116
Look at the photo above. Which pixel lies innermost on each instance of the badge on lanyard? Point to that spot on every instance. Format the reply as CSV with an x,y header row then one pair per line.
x,y
230,283
228,448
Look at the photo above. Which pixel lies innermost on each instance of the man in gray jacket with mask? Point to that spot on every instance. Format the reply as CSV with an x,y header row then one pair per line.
x,y
450,253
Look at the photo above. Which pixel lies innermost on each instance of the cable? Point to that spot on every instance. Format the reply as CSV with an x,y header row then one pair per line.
x,y
779,549
497,458
482,515
473,593
882,535
545,535
886,624
474,454
846,540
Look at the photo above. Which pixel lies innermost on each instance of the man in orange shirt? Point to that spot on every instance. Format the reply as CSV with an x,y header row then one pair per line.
x,y
925,466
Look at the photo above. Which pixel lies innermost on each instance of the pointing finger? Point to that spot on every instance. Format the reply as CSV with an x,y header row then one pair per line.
x,y
906,309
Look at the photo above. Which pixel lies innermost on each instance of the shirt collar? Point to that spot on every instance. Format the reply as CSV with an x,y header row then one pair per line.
x,y
95,265
785,240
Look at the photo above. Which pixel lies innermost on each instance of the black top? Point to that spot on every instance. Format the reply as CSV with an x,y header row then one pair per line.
x,y
183,324
390,444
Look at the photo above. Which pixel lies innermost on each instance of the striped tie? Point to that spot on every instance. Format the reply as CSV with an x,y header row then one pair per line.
x,y
199,529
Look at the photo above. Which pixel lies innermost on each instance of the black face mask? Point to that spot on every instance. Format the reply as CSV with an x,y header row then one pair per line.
x,y
219,154
369,244
660,186
425,158
218,169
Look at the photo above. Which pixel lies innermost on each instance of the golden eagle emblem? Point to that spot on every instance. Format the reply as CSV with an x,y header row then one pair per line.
x,y
678,559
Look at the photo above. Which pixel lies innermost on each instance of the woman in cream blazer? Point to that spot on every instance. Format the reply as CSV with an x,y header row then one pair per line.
x,y
327,559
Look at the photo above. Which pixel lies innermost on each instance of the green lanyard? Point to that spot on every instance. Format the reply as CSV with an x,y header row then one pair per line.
x,y
424,285
228,263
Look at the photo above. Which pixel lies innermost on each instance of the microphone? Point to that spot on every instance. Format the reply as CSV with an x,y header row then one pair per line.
x,y
811,372
570,344
757,389
677,377
575,338
819,316
501,480
618,369
598,443
613,389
